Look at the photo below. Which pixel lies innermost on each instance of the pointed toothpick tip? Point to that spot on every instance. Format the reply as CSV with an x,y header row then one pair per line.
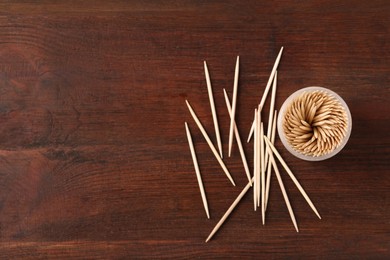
x,y
234,104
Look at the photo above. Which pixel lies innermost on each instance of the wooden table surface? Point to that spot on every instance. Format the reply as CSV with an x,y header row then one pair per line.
x,y
94,160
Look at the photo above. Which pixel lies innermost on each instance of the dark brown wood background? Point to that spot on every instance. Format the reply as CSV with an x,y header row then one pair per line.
x,y
94,161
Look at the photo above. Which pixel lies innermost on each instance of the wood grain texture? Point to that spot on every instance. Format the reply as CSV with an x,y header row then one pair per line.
x,y
94,161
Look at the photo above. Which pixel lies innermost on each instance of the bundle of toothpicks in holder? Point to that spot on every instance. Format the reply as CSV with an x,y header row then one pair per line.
x,y
265,155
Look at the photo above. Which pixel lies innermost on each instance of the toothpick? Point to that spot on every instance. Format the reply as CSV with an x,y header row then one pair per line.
x,y
252,128
269,130
255,170
234,104
197,171
271,77
272,160
269,169
262,173
270,114
211,98
272,105
204,133
227,213
292,177
258,158
238,138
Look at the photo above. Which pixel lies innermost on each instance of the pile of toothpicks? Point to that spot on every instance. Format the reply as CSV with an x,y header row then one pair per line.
x,y
264,151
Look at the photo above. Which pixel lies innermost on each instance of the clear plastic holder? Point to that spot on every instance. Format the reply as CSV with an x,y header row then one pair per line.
x,y
282,134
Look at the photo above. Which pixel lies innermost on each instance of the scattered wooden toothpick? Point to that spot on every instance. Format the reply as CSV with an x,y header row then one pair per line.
x,y
292,177
255,169
258,157
272,105
215,119
234,105
285,196
271,77
238,138
262,173
230,209
269,169
197,171
205,135
270,114
271,124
